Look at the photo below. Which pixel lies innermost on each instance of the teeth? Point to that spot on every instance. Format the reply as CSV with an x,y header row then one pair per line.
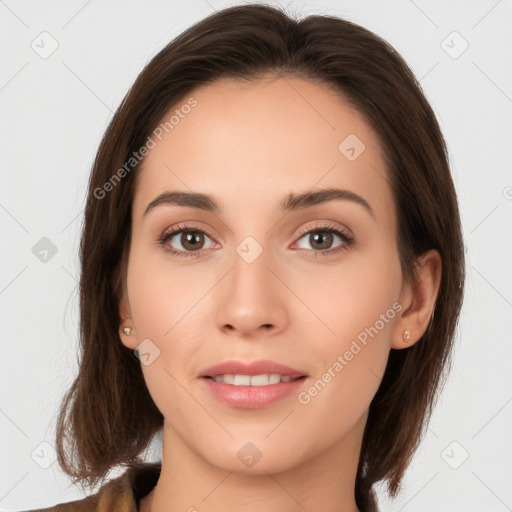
x,y
252,380
242,380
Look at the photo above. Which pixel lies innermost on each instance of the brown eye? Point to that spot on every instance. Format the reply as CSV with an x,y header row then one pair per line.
x,y
192,240
186,241
321,239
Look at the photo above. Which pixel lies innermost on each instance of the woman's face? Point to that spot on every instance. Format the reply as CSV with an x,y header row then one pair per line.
x,y
257,286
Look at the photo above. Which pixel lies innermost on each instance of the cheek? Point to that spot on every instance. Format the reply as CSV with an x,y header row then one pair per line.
x,y
160,299
164,308
358,306
349,367
356,299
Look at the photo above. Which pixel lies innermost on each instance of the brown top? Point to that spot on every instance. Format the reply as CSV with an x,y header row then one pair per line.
x,y
121,494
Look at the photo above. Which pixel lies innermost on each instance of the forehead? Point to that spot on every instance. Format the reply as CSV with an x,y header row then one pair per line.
x,y
251,143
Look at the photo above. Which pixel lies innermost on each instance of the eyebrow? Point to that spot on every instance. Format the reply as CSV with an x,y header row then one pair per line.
x,y
292,202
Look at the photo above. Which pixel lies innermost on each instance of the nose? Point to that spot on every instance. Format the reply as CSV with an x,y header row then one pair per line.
x,y
251,300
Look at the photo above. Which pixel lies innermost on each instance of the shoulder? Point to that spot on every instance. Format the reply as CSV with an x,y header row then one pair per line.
x,y
121,494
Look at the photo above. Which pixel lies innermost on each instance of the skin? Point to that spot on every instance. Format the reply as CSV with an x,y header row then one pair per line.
x,y
250,145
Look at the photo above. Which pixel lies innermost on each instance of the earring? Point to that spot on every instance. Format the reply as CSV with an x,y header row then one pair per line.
x,y
406,335
127,330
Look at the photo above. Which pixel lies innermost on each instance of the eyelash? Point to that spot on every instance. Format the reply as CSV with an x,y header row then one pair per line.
x,y
347,239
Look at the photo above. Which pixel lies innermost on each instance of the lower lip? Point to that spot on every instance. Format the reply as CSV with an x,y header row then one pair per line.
x,y
252,397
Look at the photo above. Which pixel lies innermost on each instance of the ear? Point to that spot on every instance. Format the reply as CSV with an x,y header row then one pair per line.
x,y
125,320
418,300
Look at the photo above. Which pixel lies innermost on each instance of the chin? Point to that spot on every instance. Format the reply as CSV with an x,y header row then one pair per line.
x,y
256,456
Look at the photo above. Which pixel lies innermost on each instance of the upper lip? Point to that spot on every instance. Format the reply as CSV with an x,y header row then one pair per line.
x,y
260,367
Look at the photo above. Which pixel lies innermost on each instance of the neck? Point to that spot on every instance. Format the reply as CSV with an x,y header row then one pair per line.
x,y
188,482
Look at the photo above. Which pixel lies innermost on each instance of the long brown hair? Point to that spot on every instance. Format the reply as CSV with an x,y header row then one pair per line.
x,y
107,417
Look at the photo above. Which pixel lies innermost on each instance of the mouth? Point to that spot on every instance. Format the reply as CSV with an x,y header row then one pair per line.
x,y
252,385
253,373
257,395
263,379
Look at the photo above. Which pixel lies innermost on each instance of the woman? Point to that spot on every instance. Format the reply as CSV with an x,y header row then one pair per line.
x,y
272,274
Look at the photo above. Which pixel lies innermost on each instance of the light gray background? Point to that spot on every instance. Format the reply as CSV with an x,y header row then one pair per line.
x,y
54,112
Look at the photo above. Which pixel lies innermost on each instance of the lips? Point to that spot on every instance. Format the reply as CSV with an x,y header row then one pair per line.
x,y
253,368
252,385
